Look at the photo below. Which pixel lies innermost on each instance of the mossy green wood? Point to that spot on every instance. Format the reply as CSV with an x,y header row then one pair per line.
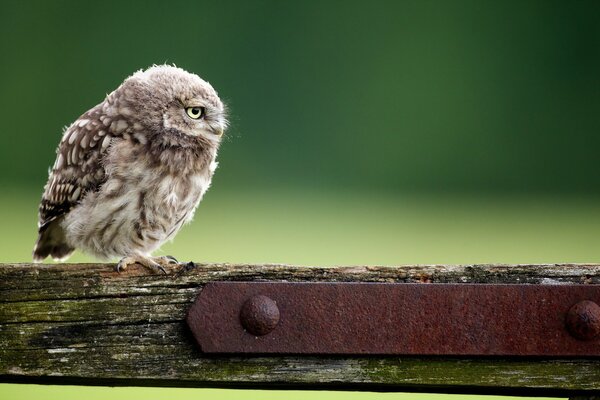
x,y
87,324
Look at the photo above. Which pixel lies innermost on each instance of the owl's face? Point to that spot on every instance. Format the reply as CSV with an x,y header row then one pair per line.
x,y
174,102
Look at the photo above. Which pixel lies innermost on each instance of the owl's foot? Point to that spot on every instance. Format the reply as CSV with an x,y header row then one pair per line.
x,y
168,259
155,264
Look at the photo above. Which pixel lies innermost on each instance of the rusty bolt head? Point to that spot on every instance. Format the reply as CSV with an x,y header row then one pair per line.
x,y
259,315
583,320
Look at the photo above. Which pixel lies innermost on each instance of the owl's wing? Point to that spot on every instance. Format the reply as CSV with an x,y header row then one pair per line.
x,y
78,168
77,171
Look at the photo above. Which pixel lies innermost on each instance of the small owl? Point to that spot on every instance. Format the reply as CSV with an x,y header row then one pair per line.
x,y
132,170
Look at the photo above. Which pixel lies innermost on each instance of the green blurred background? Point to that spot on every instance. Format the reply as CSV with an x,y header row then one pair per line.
x,y
362,132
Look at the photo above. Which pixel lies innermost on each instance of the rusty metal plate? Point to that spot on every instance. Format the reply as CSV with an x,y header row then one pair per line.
x,y
397,319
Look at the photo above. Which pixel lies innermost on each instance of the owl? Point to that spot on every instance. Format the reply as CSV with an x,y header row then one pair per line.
x,y
132,170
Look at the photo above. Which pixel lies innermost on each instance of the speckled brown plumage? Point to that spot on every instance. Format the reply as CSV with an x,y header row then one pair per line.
x,y
131,171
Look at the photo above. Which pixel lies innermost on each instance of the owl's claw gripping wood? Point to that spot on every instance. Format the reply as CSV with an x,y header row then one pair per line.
x,y
152,263
169,259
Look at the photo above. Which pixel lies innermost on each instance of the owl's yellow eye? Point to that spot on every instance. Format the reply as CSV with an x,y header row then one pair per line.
x,y
195,112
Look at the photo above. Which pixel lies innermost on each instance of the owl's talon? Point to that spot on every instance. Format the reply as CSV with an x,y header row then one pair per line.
x,y
124,263
158,267
169,259
121,266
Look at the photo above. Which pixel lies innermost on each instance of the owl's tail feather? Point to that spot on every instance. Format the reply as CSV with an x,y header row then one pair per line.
x,y
51,242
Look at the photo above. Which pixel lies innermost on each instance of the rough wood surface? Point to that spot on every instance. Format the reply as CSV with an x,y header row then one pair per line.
x,y
87,324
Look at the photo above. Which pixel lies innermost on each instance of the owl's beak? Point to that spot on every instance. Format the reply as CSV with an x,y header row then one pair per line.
x,y
218,131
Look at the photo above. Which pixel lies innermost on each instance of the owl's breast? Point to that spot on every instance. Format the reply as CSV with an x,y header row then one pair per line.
x,y
142,204
171,199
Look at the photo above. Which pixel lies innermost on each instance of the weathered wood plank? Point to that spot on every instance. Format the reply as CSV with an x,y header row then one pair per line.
x,y
87,324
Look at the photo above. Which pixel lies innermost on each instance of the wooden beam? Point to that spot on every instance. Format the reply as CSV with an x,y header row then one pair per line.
x,y
88,324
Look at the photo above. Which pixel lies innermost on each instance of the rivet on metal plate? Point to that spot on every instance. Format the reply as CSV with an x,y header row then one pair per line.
x,y
259,315
397,319
583,320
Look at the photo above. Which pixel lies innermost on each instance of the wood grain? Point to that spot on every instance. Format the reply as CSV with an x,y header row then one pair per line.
x,y
88,324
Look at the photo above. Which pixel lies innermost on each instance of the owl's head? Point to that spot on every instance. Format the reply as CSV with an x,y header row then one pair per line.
x,y
172,104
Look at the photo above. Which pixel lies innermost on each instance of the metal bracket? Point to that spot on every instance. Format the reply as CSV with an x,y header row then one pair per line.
x,y
397,319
